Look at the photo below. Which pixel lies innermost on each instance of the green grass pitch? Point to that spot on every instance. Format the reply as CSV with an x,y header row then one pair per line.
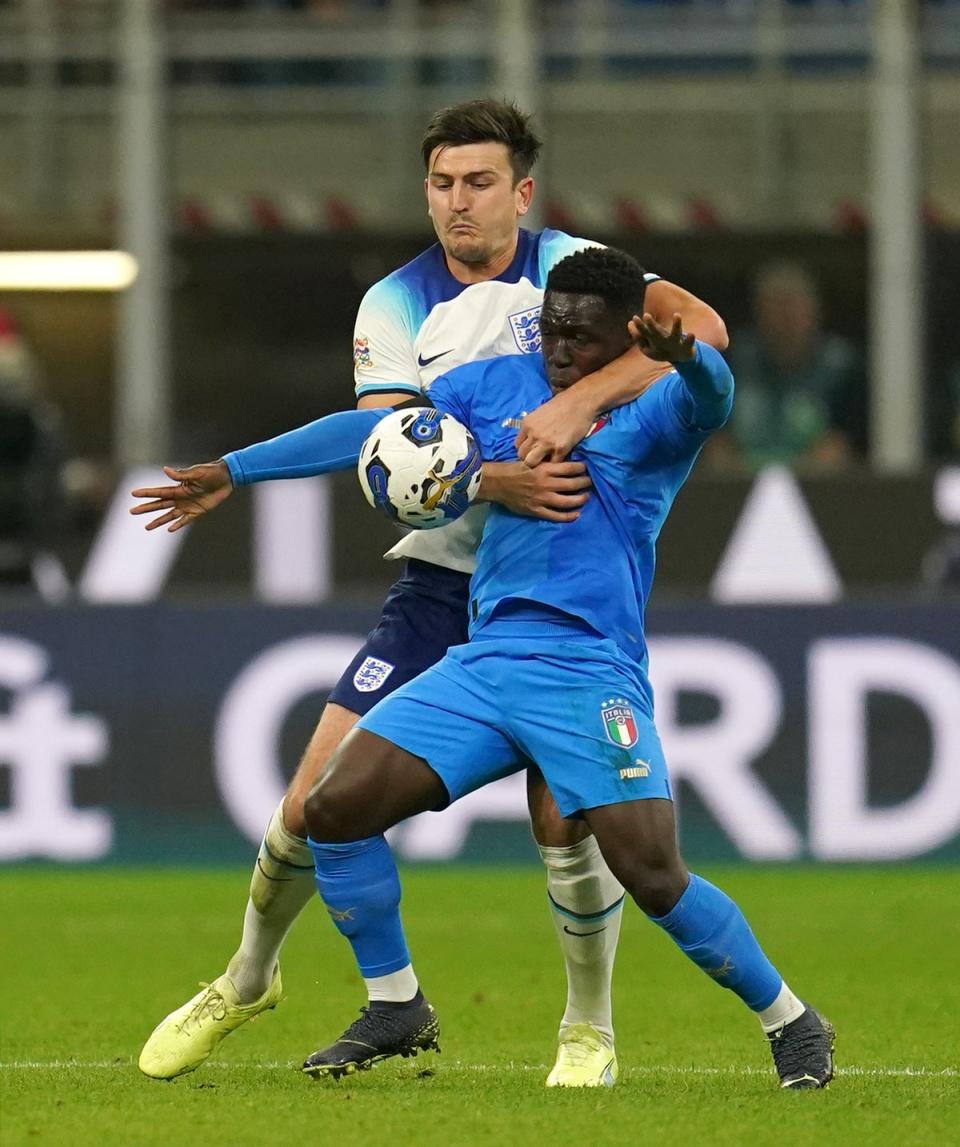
x,y
93,959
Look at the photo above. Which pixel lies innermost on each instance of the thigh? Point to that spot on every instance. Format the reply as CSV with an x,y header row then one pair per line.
x,y
449,717
638,839
583,714
424,614
369,785
335,723
550,828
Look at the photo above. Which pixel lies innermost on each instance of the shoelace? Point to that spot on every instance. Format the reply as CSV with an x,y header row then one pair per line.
x,y
210,1003
794,1054
374,1022
577,1052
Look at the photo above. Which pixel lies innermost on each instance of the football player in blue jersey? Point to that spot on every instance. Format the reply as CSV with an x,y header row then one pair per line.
x,y
474,294
557,611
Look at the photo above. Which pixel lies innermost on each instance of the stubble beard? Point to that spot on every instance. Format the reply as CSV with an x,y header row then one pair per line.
x,y
471,253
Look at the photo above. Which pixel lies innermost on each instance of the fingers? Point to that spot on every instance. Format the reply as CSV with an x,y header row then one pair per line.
x,y
152,507
569,485
535,455
565,469
566,501
547,515
156,492
177,517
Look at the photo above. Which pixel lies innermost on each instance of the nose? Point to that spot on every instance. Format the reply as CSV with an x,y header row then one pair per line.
x,y
560,353
459,194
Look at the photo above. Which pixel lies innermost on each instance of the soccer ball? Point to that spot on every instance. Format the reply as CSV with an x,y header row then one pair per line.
x,y
420,467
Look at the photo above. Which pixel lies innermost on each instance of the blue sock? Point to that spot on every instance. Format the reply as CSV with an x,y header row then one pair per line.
x,y
707,925
359,884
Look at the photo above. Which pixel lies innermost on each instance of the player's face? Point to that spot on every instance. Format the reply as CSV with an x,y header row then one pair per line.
x,y
475,203
580,335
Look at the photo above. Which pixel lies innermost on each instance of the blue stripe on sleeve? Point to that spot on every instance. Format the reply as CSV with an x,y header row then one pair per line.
x,y
331,443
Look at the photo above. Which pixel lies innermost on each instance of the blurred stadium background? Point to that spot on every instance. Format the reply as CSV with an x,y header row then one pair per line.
x,y
253,166
794,163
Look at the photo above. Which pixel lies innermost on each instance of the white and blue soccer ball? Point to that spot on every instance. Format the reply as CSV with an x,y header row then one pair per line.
x,y
420,467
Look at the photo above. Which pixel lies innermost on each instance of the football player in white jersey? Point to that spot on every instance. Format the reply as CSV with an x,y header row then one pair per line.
x,y
474,294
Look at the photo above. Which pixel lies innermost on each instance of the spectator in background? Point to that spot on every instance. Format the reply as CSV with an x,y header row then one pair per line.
x,y
31,454
801,393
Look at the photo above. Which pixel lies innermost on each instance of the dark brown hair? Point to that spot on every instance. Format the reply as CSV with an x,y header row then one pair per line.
x,y
484,121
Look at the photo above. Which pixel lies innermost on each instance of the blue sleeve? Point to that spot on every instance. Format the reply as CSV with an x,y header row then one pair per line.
x,y
701,396
331,443
453,393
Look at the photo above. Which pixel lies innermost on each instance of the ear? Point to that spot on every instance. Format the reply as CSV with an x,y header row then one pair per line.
x,y
524,195
426,192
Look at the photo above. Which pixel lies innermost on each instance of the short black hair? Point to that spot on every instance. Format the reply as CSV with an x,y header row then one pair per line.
x,y
613,275
484,121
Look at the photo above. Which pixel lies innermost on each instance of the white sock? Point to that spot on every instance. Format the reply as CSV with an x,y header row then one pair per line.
x,y
586,902
396,987
282,884
784,1010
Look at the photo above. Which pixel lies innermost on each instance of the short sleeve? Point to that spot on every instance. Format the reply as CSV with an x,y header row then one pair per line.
x,y
383,358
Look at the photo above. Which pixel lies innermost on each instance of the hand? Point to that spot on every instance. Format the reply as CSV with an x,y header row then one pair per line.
x,y
552,430
553,491
660,343
199,489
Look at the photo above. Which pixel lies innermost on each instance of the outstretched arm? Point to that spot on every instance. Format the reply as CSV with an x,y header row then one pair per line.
x,y
703,401
555,428
331,443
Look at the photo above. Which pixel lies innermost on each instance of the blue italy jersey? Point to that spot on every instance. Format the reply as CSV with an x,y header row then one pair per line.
x,y
420,322
600,567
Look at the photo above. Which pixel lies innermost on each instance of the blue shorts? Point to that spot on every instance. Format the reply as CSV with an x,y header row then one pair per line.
x,y
572,703
424,614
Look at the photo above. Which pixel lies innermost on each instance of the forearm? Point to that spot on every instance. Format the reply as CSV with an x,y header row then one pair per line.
x,y
707,388
331,443
664,300
616,384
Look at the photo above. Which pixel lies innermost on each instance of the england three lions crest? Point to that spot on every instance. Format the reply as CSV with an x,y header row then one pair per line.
x,y
372,674
526,329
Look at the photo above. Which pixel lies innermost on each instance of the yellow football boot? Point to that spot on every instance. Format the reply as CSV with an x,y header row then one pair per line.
x,y
584,1059
182,1041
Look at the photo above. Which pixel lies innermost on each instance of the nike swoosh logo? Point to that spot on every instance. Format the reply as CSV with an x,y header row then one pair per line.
x,y
433,358
570,932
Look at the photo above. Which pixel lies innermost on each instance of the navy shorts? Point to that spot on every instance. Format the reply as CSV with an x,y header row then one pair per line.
x,y
424,614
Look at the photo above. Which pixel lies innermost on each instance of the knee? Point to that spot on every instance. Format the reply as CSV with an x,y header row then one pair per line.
x,y
294,820
324,816
656,884
552,830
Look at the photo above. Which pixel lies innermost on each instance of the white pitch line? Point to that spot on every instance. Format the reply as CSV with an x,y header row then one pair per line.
x,y
642,1069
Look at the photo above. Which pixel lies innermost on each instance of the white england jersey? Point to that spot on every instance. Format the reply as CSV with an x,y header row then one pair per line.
x,y
420,322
